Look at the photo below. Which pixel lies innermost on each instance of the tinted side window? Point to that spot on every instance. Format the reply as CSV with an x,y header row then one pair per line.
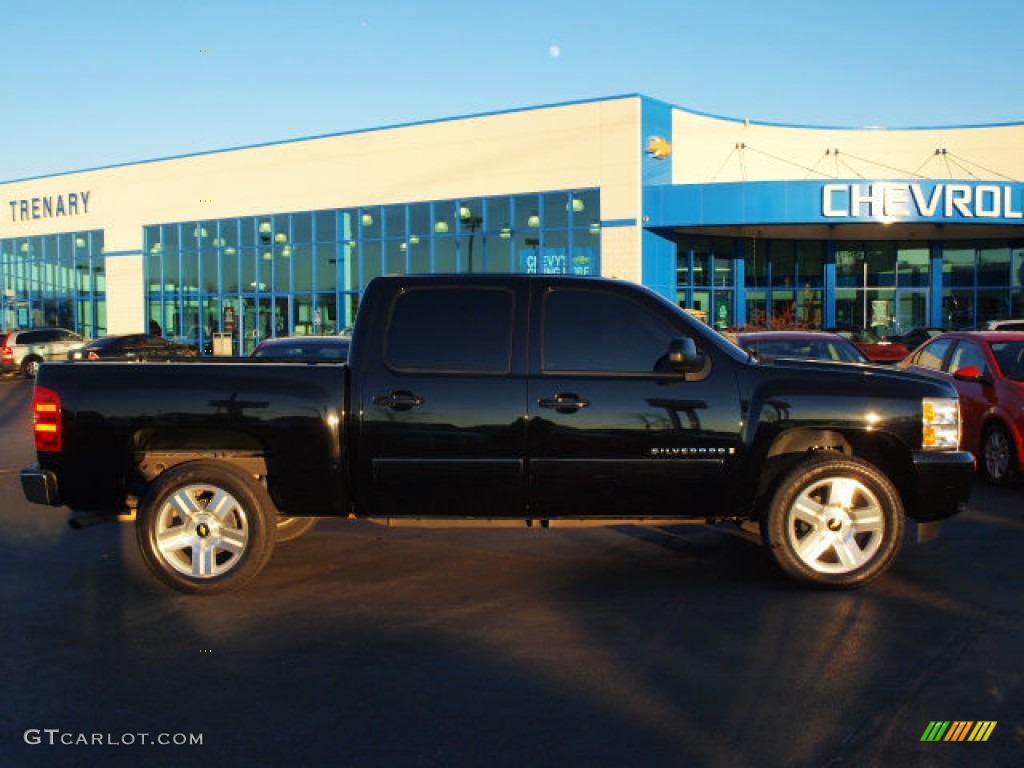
x,y
932,355
451,329
586,330
965,355
32,337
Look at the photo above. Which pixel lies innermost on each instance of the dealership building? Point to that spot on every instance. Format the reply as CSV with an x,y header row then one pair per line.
x,y
747,221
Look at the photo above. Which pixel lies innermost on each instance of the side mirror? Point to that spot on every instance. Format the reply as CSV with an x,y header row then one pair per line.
x,y
969,373
683,355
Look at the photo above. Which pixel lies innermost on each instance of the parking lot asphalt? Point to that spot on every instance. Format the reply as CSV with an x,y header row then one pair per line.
x,y
365,646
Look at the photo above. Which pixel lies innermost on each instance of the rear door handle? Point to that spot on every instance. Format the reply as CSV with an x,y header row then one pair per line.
x,y
401,400
564,402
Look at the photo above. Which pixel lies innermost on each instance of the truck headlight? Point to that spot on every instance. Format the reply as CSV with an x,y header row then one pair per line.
x,y
940,423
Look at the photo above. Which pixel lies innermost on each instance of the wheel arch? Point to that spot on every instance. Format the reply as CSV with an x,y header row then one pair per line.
x,y
996,418
791,447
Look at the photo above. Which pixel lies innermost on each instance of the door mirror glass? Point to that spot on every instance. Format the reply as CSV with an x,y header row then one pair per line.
x,y
683,355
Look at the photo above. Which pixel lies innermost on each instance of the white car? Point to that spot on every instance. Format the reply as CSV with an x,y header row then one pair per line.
x,y
1004,325
25,350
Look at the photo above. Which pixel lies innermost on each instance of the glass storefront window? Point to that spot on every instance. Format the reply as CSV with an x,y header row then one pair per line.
x,y
992,304
190,271
302,228
586,247
498,216
442,223
994,265
723,267
326,226
325,265
445,260
419,255
302,267
702,272
420,224
394,221
958,308
556,210
394,257
756,273
957,266
370,256
810,264
912,265
497,253
278,271
526,209
783,264
369,222
849,266
282,268
881,265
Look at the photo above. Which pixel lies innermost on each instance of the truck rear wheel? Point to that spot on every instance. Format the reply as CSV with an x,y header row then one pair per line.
x,y
834,522
205,527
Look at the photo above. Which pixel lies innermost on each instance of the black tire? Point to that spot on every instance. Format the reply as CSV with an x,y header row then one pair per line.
x,y
30,366
205,527
291,528
834,522
998,458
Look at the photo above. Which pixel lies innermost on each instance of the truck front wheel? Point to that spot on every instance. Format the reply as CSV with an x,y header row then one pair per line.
x,y
834,522
205,527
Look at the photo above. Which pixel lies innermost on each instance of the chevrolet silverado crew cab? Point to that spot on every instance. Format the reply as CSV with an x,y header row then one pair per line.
x,y
495,399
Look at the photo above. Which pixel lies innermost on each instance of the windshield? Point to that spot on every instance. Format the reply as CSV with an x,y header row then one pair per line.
x,y
1010,357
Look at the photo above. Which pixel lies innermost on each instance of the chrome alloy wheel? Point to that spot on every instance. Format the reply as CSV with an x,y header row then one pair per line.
x,y
835,525
997,455
201,531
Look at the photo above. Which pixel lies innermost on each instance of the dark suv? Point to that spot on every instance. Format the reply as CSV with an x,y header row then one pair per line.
x,y
25,350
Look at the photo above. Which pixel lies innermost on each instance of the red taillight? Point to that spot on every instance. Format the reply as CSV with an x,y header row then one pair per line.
x,y
92,355
46,419
7,354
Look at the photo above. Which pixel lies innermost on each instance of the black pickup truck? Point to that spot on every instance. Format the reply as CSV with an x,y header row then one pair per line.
x,y
501,399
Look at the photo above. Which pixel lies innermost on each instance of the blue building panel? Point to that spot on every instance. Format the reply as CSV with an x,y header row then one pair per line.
x,y
836,201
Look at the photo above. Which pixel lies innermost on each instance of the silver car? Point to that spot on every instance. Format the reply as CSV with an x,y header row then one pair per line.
x,y
25,350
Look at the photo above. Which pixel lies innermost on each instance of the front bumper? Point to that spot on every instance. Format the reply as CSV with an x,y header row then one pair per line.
x,y
40,486
943,484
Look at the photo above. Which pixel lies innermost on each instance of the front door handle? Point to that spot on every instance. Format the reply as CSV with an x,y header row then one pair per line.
x,y
564,402
400,400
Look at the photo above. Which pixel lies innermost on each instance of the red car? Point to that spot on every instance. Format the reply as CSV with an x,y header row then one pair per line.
x,y
987,369
876,349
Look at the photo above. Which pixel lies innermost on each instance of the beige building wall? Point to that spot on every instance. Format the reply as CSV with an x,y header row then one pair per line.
x,y
708,149
592,144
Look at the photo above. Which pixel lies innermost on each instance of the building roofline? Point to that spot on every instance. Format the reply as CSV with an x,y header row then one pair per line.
x,y
492,113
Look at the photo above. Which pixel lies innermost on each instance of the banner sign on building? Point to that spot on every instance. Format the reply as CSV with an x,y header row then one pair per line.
x,y
834,202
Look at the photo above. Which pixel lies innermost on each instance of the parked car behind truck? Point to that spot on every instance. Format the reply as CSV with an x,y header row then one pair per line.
x,y
495,399
25,350
138,347
987,370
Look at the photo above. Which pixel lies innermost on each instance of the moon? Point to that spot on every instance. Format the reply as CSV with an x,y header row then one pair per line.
x,y
555,51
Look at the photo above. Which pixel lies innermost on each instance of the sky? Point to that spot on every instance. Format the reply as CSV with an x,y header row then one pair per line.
x,y
92,83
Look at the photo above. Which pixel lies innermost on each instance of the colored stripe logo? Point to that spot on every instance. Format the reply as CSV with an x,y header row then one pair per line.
x,y
958,730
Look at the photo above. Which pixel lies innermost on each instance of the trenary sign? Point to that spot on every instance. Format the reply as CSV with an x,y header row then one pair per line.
x,y
49,206
894,200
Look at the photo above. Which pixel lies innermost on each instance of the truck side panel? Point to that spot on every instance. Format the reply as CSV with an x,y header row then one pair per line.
x,y
115,415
